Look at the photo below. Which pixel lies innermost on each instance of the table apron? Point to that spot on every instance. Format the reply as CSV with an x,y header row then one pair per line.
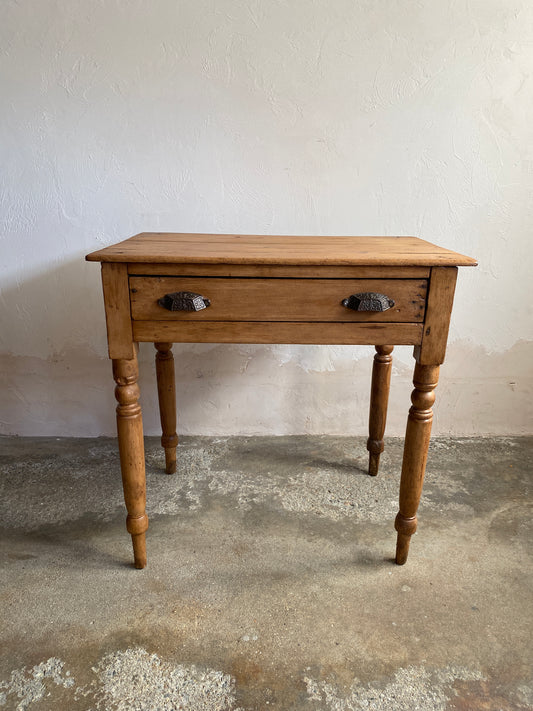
x,y
327,333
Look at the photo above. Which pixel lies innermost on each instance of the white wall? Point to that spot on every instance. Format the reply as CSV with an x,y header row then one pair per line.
x,y
263,116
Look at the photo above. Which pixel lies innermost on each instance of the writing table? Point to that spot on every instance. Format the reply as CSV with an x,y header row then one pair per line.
x,y
170,288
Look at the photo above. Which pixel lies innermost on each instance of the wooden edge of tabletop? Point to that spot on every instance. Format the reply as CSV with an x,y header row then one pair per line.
x,y
279,249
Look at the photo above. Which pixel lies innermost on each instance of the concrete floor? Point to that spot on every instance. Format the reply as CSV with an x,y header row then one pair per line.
x,y
270,582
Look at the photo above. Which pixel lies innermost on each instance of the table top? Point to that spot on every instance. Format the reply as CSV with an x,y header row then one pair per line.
x,y
168,247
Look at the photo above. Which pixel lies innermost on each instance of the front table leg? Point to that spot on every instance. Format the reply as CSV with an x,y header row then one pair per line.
x,y
415,453
131,449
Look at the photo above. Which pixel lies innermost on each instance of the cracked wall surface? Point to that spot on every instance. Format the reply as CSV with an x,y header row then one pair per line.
x,y
252,117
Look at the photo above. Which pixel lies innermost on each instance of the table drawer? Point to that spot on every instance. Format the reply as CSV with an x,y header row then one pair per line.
x,y
251,299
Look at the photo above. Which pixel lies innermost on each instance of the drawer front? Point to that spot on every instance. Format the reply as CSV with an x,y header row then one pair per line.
x,y
250,299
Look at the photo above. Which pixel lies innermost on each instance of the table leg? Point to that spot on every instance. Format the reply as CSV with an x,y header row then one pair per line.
x,y
166,390
417,437
131,448
379,398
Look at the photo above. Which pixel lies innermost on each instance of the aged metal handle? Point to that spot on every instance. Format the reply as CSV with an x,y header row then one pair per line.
x,y
368,301
184,301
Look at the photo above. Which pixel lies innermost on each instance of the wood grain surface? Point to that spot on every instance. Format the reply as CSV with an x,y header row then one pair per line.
x,y
117,310
278,271
379,399
277,299
278,249
275,289
280,332
437,321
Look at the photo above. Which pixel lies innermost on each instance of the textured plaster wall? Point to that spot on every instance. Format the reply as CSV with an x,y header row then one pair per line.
x,y
307,117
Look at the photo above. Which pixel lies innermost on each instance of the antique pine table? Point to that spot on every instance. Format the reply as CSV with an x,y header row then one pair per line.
x,y
198,288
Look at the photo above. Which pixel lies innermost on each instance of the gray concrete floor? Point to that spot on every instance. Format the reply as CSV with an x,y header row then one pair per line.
x,y
270,582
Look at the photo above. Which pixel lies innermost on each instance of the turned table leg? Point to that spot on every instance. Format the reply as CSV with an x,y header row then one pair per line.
x,y
131,448
379,399
166,390
417,437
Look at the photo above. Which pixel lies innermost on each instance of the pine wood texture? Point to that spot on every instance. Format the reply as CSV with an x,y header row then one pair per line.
x,y
415,454
277,299
117,310
437,322
277,271
406,334
277,289
131,449
166,390
379,400
164,247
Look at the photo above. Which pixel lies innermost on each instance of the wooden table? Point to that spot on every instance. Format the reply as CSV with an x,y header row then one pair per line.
x,y
198,288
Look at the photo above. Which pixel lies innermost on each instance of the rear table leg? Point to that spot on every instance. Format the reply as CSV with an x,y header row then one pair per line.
x,y
166,390
379,398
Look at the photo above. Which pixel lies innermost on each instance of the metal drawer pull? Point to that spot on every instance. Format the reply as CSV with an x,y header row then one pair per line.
x,y
368,301
184,301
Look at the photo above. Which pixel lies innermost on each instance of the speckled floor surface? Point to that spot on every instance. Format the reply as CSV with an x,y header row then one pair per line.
x,y
270,582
